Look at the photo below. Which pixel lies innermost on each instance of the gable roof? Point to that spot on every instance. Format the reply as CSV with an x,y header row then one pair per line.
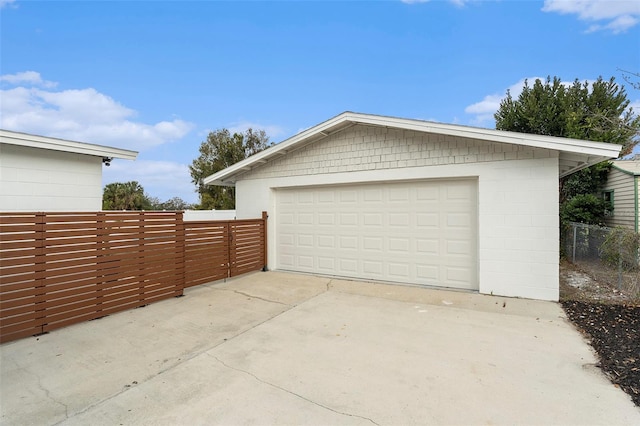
x,y
631,167
575,154
55,144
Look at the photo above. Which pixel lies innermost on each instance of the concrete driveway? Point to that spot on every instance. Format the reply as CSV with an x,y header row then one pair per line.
x,y
277,348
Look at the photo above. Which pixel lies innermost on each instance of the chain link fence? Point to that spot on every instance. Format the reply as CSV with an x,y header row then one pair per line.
x,y
608,255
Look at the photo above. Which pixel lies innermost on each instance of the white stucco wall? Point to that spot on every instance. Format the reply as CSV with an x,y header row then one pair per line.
x,y
518,250
33,179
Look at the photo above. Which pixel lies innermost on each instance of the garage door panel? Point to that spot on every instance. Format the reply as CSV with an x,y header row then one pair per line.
x,y
457,274
413,232
287,261
305,240
287,219
399,219
348,243
372,244
347,265
326,196
326,241
306,262
428,246
398,270
430,193
372,195
326,264
401,245
458,191
372,219
305,219
458,248
428,219
348,219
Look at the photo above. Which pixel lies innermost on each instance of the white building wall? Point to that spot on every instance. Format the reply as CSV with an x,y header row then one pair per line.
x,y
33,179
518,229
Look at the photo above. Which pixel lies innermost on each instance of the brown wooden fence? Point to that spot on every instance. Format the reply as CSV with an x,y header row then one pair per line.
x,y
59,269
221,249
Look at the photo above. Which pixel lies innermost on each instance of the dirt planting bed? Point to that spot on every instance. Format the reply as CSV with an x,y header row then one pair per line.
x,y
610,320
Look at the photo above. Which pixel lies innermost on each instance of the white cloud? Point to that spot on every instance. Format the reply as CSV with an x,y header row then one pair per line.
x,y
162,179
618,15
80,114
5,3
485,109
31,78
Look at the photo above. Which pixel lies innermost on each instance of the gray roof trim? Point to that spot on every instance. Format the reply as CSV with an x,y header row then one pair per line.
x,y
55,144
575,154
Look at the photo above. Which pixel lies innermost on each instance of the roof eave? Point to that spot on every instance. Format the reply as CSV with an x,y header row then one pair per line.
x,y
590,152
55,144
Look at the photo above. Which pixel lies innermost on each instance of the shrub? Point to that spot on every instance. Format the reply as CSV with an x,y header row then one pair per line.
x,y
584,208
621,245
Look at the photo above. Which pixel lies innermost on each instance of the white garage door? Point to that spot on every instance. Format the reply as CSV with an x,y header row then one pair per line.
x,y
419,232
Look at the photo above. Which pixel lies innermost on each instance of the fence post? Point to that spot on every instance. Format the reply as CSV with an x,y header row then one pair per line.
x,y
265,216
40,271
229,229
140,219
620,238
181,252
575,230
100,261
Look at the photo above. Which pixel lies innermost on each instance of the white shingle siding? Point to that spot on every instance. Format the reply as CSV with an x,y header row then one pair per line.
x,y
362,148
34,179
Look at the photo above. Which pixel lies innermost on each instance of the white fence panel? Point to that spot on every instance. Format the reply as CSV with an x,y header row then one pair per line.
x,y
198,215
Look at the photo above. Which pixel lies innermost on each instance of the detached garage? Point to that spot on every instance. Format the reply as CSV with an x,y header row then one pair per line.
x,y
414,202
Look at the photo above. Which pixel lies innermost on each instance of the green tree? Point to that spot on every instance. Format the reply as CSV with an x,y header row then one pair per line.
x,y
597,111
175,203
584,208
219,151
125,196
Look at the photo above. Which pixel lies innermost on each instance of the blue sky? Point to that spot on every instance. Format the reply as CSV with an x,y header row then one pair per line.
x,y
157,76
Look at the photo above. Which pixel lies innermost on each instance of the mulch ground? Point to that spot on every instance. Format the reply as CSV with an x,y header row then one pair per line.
x,y
614,332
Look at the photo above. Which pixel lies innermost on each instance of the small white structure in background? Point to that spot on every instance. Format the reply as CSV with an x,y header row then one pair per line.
x,y
39,173
199,215
409,201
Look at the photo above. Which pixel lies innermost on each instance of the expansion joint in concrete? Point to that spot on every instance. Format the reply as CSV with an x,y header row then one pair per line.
x,y
342,413
253,296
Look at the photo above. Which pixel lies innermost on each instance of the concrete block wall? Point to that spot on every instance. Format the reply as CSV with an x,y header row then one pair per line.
x,y
33,179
